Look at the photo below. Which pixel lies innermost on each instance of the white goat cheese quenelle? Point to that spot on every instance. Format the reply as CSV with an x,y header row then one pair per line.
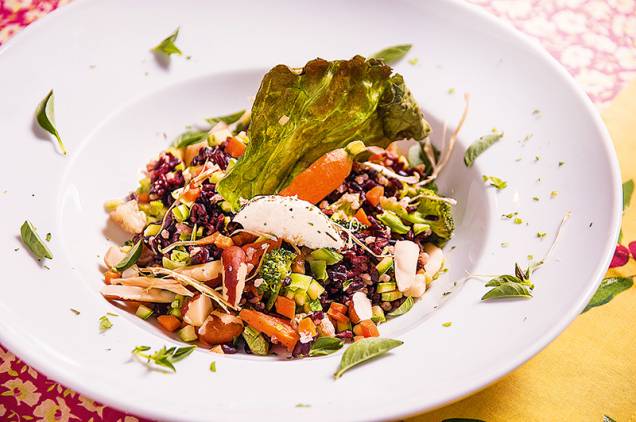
x,y
294,220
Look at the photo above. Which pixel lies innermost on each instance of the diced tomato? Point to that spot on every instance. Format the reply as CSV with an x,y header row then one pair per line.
x,y
234,147
368,328
286,307
361,216
169,322
374,194
307,327
110,275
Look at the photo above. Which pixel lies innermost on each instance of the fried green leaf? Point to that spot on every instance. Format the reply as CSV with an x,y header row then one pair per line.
x,y
45,116
167,45
608,289
33,241
479,146
301,114
393,54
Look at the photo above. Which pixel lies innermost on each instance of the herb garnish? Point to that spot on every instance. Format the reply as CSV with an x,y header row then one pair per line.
x,y
167,45
325,346
628,190
414,61
541,235
392,54
303,405
213,366
608,289
75,311
36,245
554,194
363,350
45,116
189,138
163,357
48,237
104,322
479,146
227,119
131,257
495,182
447,324
561,163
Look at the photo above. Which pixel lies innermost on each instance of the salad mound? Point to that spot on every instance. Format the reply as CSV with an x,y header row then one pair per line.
x,y
290,229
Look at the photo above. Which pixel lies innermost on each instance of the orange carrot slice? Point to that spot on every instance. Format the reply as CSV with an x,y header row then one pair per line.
x,y
275,328
234,147
374,194
169,322
286,307
361,216
324,175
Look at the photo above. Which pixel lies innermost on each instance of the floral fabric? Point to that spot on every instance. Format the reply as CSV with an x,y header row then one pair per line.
x,y
593,39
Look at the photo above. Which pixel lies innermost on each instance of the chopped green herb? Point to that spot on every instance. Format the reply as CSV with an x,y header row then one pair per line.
x,y
530,257
541,235
48,237
537,113
517,220
479,146
414,61
303,405
628,190
495,182
510,215
536,158
213,366
535,198
393,54
561,163
451,91
30,238
554,194
104,323
447,324
75,311
504,244
227,119
163,357
45,116
167,45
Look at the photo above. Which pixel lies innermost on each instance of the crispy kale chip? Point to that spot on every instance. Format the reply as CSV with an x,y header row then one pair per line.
x,y
301,114
275,268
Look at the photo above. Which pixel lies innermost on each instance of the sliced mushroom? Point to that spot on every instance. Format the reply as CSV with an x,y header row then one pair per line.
x,y
203,272
138,294
234,273
406,254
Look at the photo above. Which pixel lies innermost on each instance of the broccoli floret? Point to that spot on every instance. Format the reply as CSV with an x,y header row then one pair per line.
x,y
275,268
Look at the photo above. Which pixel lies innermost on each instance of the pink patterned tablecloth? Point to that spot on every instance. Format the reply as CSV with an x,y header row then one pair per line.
x,y
593,39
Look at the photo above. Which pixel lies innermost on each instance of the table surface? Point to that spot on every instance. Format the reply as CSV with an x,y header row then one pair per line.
x,y
596,42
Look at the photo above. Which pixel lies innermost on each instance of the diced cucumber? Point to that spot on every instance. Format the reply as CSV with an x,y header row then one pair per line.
x,y
343,326
299,282
181,213
255,341
188,333
180,257
391,296
314,306
385,287
156,208
152,230
315,290
300,297
319,269
143,312
175,312
325,254
384,265
377,315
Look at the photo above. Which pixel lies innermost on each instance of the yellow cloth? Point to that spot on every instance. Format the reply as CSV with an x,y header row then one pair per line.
x,y
590,370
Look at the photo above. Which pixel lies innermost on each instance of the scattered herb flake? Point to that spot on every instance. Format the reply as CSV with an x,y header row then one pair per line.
x,y
167,45
48,237
393,54
495,182
447,324
30,238
213,366
517,220
164,357
530,257
505,244
541,235
303,405
75,311
480,146
414,61
536,158
535,198
104,323
554,194
510,215
451,91
628,190
537,113
561,163
45,116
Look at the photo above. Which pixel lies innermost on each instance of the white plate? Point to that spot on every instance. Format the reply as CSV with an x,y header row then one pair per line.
x,y
114,102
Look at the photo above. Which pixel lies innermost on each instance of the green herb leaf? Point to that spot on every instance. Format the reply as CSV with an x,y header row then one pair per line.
x,y
45,116
104,323
495,182
213,366
303,405
48,237
506,289
325,346
364,350
403,308
131,257
608,289
189,138
181,353
628,190
167,46
392,54
479,146
164,357
447,324
227,119
32,241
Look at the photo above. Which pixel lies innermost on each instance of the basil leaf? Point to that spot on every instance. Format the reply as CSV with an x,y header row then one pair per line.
x,y
131,257
45,116
392,54
181,353
363,350
608,289
403,308
503,279
507,289
167,46
189,138
479,146
32,241
628,190
228,118
325,346
495,182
